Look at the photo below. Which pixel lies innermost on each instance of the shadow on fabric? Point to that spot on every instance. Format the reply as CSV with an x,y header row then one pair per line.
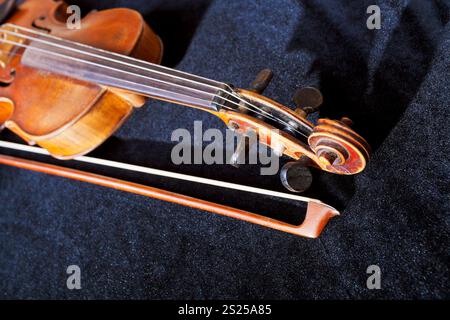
x,y
374,102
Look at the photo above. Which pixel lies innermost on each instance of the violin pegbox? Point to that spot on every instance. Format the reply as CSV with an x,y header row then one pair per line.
x,y
330,145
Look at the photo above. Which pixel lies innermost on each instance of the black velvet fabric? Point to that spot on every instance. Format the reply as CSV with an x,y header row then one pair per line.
x,y
394,83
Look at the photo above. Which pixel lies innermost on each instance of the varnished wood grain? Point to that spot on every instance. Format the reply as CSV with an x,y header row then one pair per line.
x,y
53,110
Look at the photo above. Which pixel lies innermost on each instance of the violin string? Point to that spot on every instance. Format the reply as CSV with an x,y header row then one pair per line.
x,y
265,113
255,108
186,75
213,95
102,57
231,92
259,111
219,104
217,87
153,65
159,89
111,53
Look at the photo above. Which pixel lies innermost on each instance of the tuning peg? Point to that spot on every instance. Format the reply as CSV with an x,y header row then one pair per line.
x,y
347,121
241,150
296,176
261,81
307,100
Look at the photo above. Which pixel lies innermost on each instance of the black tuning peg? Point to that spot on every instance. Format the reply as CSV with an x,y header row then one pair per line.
x,y
307,100
296,176
261,81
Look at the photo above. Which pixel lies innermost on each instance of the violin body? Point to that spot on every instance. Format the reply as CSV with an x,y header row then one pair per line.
x,y
70,117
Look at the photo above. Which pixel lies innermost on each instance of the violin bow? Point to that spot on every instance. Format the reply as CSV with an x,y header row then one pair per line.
x,y
317,212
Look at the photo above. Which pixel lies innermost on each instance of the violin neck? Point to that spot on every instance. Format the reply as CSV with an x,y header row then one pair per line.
x,y
109,69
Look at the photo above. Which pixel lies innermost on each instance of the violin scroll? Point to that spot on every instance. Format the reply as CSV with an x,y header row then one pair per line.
x,y
338,148
331,145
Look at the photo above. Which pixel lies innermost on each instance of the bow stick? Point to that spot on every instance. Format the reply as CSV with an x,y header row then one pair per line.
x,y
317,212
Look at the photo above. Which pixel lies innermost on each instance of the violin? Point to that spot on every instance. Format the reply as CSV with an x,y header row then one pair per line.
x,y
68,90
